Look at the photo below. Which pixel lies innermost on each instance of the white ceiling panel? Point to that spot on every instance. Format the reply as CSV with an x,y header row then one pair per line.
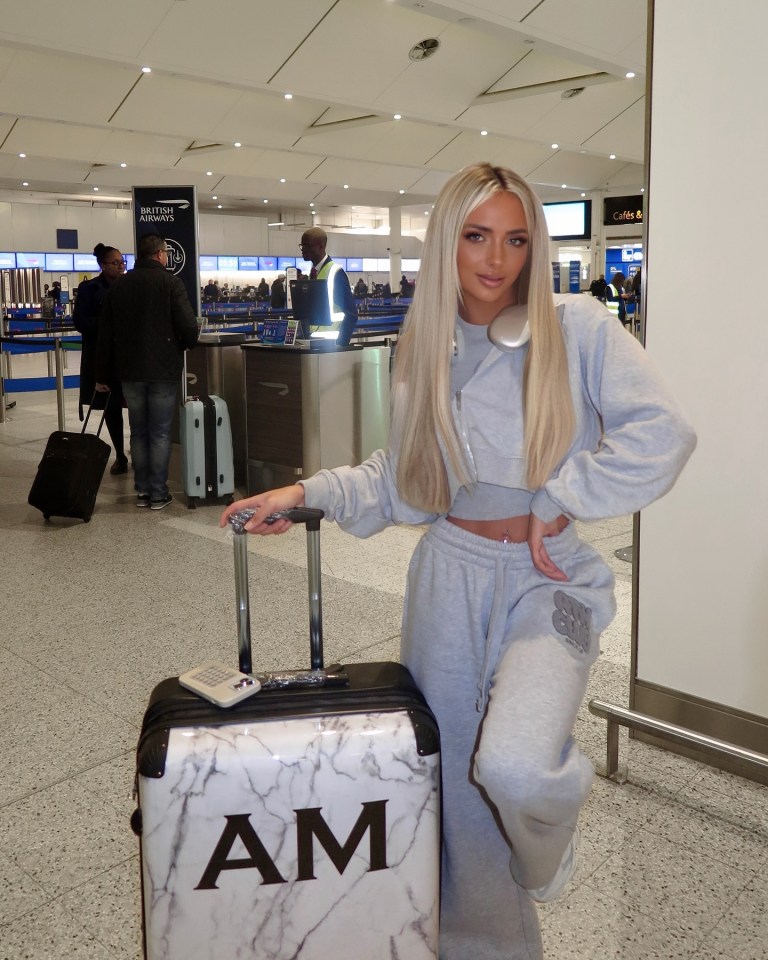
x,y
394,141
628,175
468,148
46,168
583,172
537,67
6,123
38,84
598,25
511,118
466,64
336,171
267,188
241,40
84,25
575,120
175,105
123,146
44,138
266,119
624,135
357,51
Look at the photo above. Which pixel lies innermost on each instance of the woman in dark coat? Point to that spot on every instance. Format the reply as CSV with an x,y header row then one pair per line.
x,y
86,317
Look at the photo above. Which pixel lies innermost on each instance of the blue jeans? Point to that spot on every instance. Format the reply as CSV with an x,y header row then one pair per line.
x,y
150,412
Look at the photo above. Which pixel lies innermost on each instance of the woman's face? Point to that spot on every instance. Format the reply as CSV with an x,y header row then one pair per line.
x,y
113,266
493,249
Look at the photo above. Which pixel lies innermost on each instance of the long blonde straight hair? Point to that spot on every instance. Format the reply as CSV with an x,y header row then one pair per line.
x,y
422,418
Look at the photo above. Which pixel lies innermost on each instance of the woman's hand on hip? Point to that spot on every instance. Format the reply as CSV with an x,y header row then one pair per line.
x,y
264,505
537,531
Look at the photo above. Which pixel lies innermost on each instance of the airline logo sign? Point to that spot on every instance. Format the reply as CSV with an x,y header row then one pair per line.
x,y
618,211
172,212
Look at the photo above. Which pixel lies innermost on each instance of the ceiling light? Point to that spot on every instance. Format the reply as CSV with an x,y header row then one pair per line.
x,y
96,189
214,198
612,156
25,183
123,164
277,223
237,143
288,96
397,116
265,201
483,133
630,74
282,179
311,204
219,206
402,191
146,69
583,194
22,154
642,189
555,146
563,186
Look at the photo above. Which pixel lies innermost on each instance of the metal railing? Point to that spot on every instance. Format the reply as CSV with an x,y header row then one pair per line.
x,y
623,717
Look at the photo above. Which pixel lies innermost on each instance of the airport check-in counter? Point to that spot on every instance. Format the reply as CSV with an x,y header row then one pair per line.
x,y
308,409
215,366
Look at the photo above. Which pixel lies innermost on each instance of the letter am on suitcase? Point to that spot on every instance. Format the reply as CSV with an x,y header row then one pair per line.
x,y
303,822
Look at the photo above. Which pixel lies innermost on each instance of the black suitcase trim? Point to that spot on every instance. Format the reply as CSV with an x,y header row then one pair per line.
x,y
385,687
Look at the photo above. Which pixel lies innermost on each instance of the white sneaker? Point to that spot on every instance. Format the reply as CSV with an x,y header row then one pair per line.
x,y
558,883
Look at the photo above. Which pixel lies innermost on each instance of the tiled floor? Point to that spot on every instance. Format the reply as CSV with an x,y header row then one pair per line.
x,y
674,863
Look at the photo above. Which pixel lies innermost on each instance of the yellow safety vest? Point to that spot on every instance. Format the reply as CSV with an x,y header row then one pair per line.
x,y
328,272
613,305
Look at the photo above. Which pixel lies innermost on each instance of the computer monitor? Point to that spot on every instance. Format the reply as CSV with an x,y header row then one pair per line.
x,y
310,305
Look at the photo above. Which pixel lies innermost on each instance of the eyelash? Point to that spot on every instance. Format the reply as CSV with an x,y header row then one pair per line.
x,y
515,241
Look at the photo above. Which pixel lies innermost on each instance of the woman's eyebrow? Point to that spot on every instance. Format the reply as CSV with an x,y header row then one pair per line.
x,y
478,226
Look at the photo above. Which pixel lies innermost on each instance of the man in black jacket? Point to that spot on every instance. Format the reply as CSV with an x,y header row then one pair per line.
x,y
148,323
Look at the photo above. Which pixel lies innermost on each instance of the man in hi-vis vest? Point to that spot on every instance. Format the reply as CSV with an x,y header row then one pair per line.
x,y
343,308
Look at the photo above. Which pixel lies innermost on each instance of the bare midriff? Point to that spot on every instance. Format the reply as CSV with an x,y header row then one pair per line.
x,y
511,530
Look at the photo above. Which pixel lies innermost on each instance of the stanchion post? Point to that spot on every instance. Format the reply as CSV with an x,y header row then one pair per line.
x,y
2,383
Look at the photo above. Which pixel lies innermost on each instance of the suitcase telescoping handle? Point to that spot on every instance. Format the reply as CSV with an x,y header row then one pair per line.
x,y
317,675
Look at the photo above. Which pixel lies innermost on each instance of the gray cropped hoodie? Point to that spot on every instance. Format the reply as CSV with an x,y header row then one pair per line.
x,y
630,441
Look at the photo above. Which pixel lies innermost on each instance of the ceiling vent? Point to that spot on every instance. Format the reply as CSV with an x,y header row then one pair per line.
x,y
424,50
570,94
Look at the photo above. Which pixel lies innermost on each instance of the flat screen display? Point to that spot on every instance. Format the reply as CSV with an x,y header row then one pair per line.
x,y
310,305
7,261
30,260
267,263
284,262
248,263
59,262
130,261
207,264
85,262
228,263
354,264
571,220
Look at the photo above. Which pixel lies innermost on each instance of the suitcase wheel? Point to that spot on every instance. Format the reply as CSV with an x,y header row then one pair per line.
x,y
86,519
230,499
191,505
46,516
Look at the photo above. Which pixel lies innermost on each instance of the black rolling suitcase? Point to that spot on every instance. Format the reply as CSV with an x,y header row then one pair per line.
x,y
302,822
69,475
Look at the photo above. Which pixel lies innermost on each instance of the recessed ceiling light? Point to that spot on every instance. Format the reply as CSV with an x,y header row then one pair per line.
x,y
346,186
397,116
209,173
22,154
483,133
642,189
237,143
612,156
311,204
282,179
563,186
426,213
123,164
288,96
219,206
146,69
25,183
96,189
214,198
555,146
265,201
583,194
629,74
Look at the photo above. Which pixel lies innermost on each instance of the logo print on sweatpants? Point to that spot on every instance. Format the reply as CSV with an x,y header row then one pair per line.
x,y
573,620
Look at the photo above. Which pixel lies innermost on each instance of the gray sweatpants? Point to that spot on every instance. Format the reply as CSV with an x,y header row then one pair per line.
x,y
502,655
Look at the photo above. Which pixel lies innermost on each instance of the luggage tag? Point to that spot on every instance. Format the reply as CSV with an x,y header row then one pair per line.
x,y
219,683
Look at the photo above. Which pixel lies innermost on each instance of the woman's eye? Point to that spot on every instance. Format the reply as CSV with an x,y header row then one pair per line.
x,y
473,235
518,241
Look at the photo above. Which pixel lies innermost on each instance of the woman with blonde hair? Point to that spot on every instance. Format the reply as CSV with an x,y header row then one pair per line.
x,y
515,412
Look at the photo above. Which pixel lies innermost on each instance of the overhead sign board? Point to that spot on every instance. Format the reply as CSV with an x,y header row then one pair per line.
x,y
618,211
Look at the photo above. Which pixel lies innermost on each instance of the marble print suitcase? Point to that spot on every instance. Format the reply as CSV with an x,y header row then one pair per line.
x,y
304,822
207,459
